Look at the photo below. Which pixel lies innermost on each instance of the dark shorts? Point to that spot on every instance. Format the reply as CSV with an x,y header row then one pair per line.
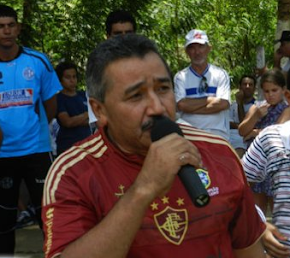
x,y
32,169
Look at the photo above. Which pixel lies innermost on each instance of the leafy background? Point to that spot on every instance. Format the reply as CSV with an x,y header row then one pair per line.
x,y
70,29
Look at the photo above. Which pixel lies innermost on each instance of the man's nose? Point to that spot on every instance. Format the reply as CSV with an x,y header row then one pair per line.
x,y
7,30
155,106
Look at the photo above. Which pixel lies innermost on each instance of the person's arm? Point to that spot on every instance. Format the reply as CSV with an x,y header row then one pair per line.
x,y
207,105
50,106
110,238
285,116
238,109
240,103
252,117
254,251
252,134
113,235
73,121
271,242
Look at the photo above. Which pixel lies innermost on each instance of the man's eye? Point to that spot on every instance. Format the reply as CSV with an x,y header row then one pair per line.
x,y
163,88
135,96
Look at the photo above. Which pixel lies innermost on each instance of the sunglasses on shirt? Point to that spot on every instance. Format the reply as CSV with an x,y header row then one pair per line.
x,y
203,86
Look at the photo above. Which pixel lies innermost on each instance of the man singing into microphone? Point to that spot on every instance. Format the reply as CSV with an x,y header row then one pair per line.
x,y
117,193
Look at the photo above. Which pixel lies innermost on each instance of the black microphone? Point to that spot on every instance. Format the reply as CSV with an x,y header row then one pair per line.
x,y
164,126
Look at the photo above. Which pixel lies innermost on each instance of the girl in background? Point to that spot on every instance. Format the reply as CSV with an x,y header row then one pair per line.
x,y
261,115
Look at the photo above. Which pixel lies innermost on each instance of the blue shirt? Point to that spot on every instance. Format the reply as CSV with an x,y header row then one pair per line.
x,y
73,106
25,83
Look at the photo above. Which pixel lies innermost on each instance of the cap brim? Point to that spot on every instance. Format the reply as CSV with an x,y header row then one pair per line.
x,y
198,41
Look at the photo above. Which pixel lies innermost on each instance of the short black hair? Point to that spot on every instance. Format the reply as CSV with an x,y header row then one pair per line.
x,y
7,11
119,16
252,77
111,50
63,66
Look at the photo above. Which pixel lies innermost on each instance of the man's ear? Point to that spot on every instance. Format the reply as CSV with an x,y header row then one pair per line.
x,y
99,111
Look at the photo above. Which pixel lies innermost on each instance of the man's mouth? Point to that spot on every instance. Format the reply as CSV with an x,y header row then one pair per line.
x,y
147,125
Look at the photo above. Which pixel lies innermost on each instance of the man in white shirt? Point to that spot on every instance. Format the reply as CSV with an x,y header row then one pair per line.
x,y
202,90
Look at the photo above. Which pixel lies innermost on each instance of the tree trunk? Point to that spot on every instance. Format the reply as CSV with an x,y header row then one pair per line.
x,y
25,35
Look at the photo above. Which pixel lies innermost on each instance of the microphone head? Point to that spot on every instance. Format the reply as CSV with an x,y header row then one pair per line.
x,y
163,126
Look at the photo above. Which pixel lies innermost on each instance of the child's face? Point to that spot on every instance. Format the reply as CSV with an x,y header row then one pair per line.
x,y
273,93
248,87
69,79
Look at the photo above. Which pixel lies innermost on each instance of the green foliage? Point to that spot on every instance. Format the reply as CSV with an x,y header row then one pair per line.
x,y
235,29
70,29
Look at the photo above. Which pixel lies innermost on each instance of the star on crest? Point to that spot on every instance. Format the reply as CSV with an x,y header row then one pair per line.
x,y
165,200
154,206
180,201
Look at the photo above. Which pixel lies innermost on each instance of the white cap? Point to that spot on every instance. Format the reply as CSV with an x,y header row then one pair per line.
x,y
196,36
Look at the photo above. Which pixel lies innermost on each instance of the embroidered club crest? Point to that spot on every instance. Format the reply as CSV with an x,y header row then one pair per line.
x,y
172,224
28,73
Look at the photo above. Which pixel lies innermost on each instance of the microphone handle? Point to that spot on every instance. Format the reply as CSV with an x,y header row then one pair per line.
x,y
194,186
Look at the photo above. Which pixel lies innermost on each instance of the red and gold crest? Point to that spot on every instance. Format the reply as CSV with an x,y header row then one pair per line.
x,y
172,224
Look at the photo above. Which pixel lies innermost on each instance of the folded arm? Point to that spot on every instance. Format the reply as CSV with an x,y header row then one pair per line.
x,y
207,105
72,121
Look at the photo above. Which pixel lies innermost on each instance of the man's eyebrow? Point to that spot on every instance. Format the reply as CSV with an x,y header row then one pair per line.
x,y
9,24
141,83
162,79
134,87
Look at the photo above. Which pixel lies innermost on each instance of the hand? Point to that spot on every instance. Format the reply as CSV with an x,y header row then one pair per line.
x,y
252,134
263,110
163,161
239,97
271,244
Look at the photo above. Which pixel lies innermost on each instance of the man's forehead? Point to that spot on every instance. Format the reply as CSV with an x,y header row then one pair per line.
x,y
115,68
247,80
7,19
122,27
